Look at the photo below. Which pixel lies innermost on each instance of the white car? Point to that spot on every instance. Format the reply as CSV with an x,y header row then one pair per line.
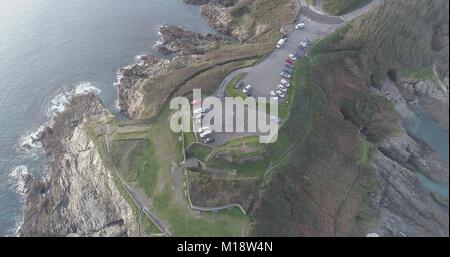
x,y
198,116
280,94
285,75
247,89
272,94
280,87
281,43
303,44
284,82
199,110
292,57
205,134
204,129
300,26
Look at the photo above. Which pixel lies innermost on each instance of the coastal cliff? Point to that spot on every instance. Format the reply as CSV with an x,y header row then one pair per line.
x,y
355,169
79,197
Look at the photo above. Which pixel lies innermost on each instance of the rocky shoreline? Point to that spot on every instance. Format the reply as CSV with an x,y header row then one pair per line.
x,y
78,178
79,197
186,46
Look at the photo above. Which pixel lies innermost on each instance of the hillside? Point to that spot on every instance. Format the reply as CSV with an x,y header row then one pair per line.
x,y
338,7
350,167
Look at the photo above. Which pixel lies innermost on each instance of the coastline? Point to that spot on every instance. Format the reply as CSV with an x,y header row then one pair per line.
x,y
145,67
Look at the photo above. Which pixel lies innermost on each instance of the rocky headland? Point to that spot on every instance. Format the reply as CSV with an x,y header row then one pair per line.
x,y
79,197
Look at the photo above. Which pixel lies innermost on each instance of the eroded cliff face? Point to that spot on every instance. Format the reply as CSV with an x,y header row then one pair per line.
x,y
79,197
402,206
130,82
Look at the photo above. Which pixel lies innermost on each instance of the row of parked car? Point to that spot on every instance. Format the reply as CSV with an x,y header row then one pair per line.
x,y
286,74
204,133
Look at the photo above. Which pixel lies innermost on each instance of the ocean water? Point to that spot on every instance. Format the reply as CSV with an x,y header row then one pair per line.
x,y
50,49
436,137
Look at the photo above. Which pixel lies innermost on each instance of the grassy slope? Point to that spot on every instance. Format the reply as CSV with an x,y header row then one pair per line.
x,y
340,7
304,192
180,218
321,185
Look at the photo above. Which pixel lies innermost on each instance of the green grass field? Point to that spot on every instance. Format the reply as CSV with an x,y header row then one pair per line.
x,y
166,147
231,90
198,151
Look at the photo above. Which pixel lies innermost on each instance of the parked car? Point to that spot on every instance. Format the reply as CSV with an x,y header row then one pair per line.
x,y
239,85
289,71
198,116
272,94
300,26
280,94
289,61
284,82
209,140
247,89
283,89
199,111
292,57
285,75
206,134
281,43
204,129
304,43
288,66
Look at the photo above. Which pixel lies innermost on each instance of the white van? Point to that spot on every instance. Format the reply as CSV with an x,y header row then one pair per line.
x,y
281,43
300,26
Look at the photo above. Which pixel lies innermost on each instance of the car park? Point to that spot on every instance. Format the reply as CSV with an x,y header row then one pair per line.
x,y
280,94
280,87
304,44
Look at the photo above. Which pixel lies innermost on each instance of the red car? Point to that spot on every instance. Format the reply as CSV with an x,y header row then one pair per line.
x,y
290,61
